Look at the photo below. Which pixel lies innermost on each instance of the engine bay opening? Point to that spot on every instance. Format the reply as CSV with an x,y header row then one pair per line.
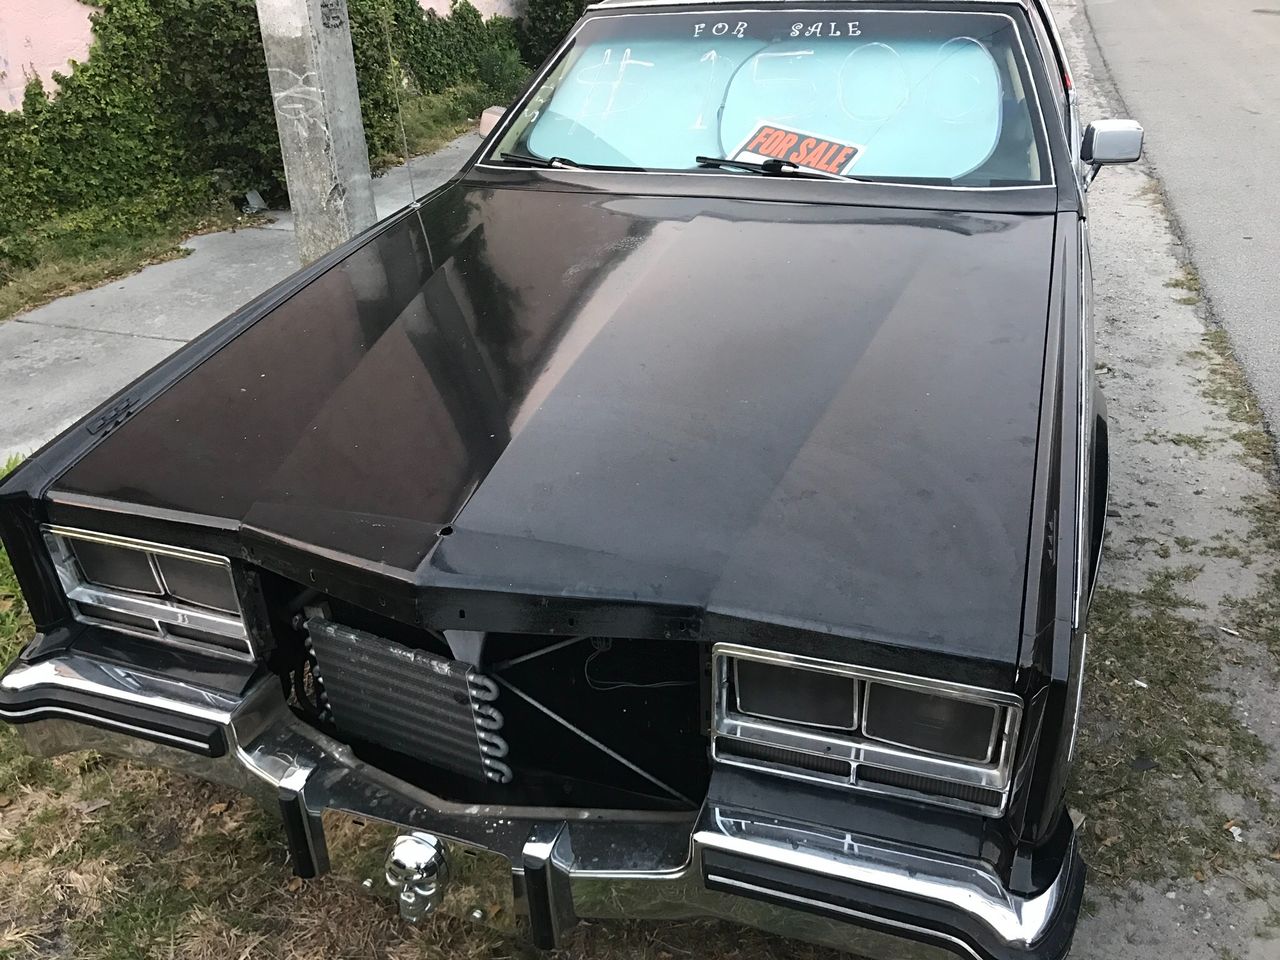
x,y
500,718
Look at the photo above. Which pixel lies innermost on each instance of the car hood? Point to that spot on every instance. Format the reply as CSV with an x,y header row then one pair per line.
x,y
813,414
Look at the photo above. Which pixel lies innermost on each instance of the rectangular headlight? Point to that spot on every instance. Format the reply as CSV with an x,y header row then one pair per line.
x,y
863,728
799,696
172,594
948,726
109,566
205,581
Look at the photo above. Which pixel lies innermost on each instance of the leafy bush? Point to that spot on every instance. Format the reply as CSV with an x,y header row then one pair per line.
x,y
545,24
171,113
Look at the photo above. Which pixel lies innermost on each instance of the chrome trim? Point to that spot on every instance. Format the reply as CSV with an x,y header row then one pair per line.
x,y
855,748
553,61
81,717
968,885
808,903
621,865
111,681
962,691
1075,713
130,543
1084,402
163,611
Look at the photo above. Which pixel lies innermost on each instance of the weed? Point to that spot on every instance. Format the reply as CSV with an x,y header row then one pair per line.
x,y
1187,280
68,258
1162,748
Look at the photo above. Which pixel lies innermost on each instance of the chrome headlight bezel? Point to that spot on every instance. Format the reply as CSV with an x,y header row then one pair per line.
x,y
854,760
156,614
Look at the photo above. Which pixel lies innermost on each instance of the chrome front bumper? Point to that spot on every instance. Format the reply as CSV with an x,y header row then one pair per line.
x,y
799,880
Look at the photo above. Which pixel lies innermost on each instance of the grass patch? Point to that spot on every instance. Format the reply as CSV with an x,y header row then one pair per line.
x,y
1258,616
1197,442
433,119
1163,754
1189,281
85,249
17,770
1228,387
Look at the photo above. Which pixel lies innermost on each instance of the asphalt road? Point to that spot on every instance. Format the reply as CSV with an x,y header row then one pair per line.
x,y
1204,79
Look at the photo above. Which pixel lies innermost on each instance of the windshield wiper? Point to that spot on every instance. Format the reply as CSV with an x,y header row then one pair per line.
x,y
772,168
552,162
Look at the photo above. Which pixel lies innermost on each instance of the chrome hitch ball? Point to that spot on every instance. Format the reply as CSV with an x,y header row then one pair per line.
x,y
417,870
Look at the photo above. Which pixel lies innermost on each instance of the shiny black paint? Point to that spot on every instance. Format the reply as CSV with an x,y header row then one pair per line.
x,y
701,403
330,539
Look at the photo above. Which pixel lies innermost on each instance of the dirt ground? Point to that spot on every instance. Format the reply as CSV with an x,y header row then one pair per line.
x,y
1176,780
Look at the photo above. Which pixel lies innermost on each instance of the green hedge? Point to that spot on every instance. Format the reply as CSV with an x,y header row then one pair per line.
x,y
172,112
545,24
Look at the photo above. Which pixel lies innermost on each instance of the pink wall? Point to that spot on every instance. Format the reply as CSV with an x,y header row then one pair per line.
x,y
39,36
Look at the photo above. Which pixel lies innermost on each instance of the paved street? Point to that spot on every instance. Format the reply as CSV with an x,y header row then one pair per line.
x,y
59,361
1204,79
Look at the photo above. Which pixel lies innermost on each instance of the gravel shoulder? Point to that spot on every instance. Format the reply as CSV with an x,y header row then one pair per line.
x,y
1177,779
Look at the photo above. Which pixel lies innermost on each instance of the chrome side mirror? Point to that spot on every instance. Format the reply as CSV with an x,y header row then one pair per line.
x,y
1109,142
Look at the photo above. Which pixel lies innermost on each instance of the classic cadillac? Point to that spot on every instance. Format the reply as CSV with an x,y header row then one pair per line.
x,y
693,505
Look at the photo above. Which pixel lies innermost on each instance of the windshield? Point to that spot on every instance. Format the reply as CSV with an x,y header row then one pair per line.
x,y
926,97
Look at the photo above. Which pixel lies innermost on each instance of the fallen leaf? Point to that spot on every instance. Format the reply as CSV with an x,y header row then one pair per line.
x,y
5,800
86,807
294,884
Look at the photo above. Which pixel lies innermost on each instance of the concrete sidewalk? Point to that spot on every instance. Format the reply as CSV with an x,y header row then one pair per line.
x,y
59,361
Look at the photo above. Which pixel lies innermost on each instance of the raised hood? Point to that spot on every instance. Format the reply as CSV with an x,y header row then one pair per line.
x,y
819,415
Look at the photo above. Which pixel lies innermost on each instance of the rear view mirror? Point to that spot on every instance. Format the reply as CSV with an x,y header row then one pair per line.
x,y
1111,141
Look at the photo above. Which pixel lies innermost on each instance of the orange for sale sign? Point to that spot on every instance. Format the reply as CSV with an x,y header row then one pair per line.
x,y
794,146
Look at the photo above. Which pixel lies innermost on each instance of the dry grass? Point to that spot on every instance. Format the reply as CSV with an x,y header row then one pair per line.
x,y
60,273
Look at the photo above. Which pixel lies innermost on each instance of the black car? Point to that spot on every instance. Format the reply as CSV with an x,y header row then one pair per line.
x,y
694,503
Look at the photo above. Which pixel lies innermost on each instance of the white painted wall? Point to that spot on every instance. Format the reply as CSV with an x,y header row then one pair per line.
x,y
487,8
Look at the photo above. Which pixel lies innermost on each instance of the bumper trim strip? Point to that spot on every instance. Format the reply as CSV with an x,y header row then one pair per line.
x,y
817,906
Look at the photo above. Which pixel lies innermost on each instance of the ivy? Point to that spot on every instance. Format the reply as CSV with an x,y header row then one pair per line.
x,y
545,24
171,112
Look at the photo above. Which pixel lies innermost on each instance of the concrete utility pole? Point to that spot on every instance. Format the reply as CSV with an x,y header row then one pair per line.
x,y
317,104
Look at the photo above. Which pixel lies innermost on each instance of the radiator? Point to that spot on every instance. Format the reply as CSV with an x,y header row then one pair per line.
x,y
428,707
